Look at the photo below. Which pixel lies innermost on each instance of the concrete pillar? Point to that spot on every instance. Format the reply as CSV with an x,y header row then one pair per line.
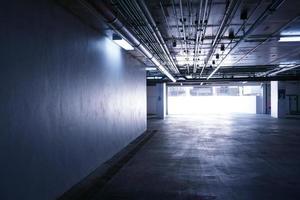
x,y
264,95
161,100
259,105
278,99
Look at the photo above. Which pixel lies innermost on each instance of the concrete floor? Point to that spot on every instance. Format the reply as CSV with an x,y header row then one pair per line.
x,y
227,157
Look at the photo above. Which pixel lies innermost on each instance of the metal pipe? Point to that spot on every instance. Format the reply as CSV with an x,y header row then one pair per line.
x,y
189,7
205,15
119,27
156,33
284,69
242,79
176,17
148,36
267,39
183,29
168,25
271,8
227,14
205,27
197,34
240,28
136,14
232,7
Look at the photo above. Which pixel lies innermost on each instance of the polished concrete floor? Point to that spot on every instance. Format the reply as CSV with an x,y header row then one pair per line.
x,y
226,157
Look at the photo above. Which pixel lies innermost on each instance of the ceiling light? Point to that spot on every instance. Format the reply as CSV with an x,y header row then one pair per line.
x,y
289,39
121,42
154,77
150,68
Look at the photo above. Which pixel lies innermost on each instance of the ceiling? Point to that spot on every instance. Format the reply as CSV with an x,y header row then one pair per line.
x,y
202,40
234,39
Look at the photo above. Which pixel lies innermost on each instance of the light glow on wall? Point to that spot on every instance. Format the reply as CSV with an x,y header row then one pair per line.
x,y
122,43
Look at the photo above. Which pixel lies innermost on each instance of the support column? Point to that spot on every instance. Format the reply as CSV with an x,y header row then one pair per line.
x,y
278,99
264,94
161,100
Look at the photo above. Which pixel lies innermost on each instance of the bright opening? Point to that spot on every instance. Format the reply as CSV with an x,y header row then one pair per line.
x,y
213,99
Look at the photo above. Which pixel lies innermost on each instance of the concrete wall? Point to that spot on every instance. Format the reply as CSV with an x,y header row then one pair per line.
x,y
259,105
70,99
157,100
280,105
161,108
292,88
152,96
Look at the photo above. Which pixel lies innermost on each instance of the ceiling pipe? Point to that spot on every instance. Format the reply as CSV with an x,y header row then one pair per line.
x,y
248,79
119,27
232,8
142,32
154,29
271,8
267,39
198,32
184,33
282,69
242,27
204,27
176,17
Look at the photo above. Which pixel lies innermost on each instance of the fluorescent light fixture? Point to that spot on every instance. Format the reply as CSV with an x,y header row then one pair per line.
x,y
290,33
151,69
286,65
154,77
163,70
124,44
289,39
121,42
283,69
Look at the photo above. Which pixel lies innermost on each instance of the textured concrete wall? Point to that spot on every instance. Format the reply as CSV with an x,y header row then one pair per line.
x,y
278,101
70,99
152,96
161,106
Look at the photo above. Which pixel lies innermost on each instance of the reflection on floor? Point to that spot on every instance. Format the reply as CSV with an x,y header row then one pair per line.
x,y
227,157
